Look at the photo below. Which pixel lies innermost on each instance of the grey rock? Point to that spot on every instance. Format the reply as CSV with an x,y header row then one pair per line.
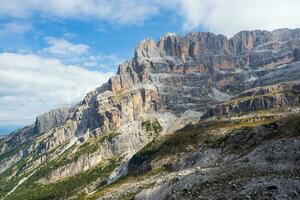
x,y
51,119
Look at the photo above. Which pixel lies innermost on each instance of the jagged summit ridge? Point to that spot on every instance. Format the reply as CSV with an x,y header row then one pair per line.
x,y
207,52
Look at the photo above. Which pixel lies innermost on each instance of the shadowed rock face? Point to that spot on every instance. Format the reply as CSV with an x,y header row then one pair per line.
x,y
296,54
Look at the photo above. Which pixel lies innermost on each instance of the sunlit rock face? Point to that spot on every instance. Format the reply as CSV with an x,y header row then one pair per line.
x,y
282,96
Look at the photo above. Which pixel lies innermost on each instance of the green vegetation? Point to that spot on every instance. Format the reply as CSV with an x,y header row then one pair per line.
x,y
210,134
89,147
180,141
93,143
7,183
125,180
13,151
152,126
10,177
61,189
53,190
33,190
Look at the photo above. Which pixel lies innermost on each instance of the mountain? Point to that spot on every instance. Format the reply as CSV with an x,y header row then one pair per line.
x,y
199,116
6,129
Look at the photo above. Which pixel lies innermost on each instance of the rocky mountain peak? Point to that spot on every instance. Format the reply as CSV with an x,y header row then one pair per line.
x,y
146,118
245,41
51,119
147,50
285,34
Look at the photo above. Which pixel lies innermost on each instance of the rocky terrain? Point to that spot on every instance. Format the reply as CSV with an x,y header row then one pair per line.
x,y
199,116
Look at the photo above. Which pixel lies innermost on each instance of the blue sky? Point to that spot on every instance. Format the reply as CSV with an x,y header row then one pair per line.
x,y
48,47
103,37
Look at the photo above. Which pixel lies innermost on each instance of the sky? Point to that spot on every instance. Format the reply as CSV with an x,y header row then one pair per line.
x,y
52,52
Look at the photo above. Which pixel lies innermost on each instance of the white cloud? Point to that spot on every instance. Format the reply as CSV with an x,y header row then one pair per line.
x,y
103,61
220,16
232,16
78,54
31,85
62,47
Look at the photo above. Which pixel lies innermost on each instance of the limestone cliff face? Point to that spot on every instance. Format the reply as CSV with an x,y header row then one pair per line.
x,y
166,85
282,96
51,119
43,123
175,74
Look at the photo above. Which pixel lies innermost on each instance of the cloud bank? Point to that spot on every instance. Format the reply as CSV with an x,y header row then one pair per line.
x,y
31,85
231,16
220,16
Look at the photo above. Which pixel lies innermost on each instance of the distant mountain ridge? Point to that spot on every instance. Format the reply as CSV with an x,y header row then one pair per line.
x,y
180,105
5,130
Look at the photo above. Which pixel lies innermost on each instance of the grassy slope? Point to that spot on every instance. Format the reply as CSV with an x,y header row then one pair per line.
x,y
30,189
190,138
185,140
61,189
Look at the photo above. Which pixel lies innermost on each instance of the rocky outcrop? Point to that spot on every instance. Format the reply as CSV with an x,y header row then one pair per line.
x,y
43,123
218,159
51,119
282,96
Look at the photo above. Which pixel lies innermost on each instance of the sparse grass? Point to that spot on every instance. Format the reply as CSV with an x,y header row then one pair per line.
x,y
93,143
45,170
203,133
10,177
89,147
210,134
11,152
61,189
123,182
7,182
152,126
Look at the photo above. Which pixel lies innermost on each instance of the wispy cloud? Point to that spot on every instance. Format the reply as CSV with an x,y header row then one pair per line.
x,y
78,54
62,47
15,28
